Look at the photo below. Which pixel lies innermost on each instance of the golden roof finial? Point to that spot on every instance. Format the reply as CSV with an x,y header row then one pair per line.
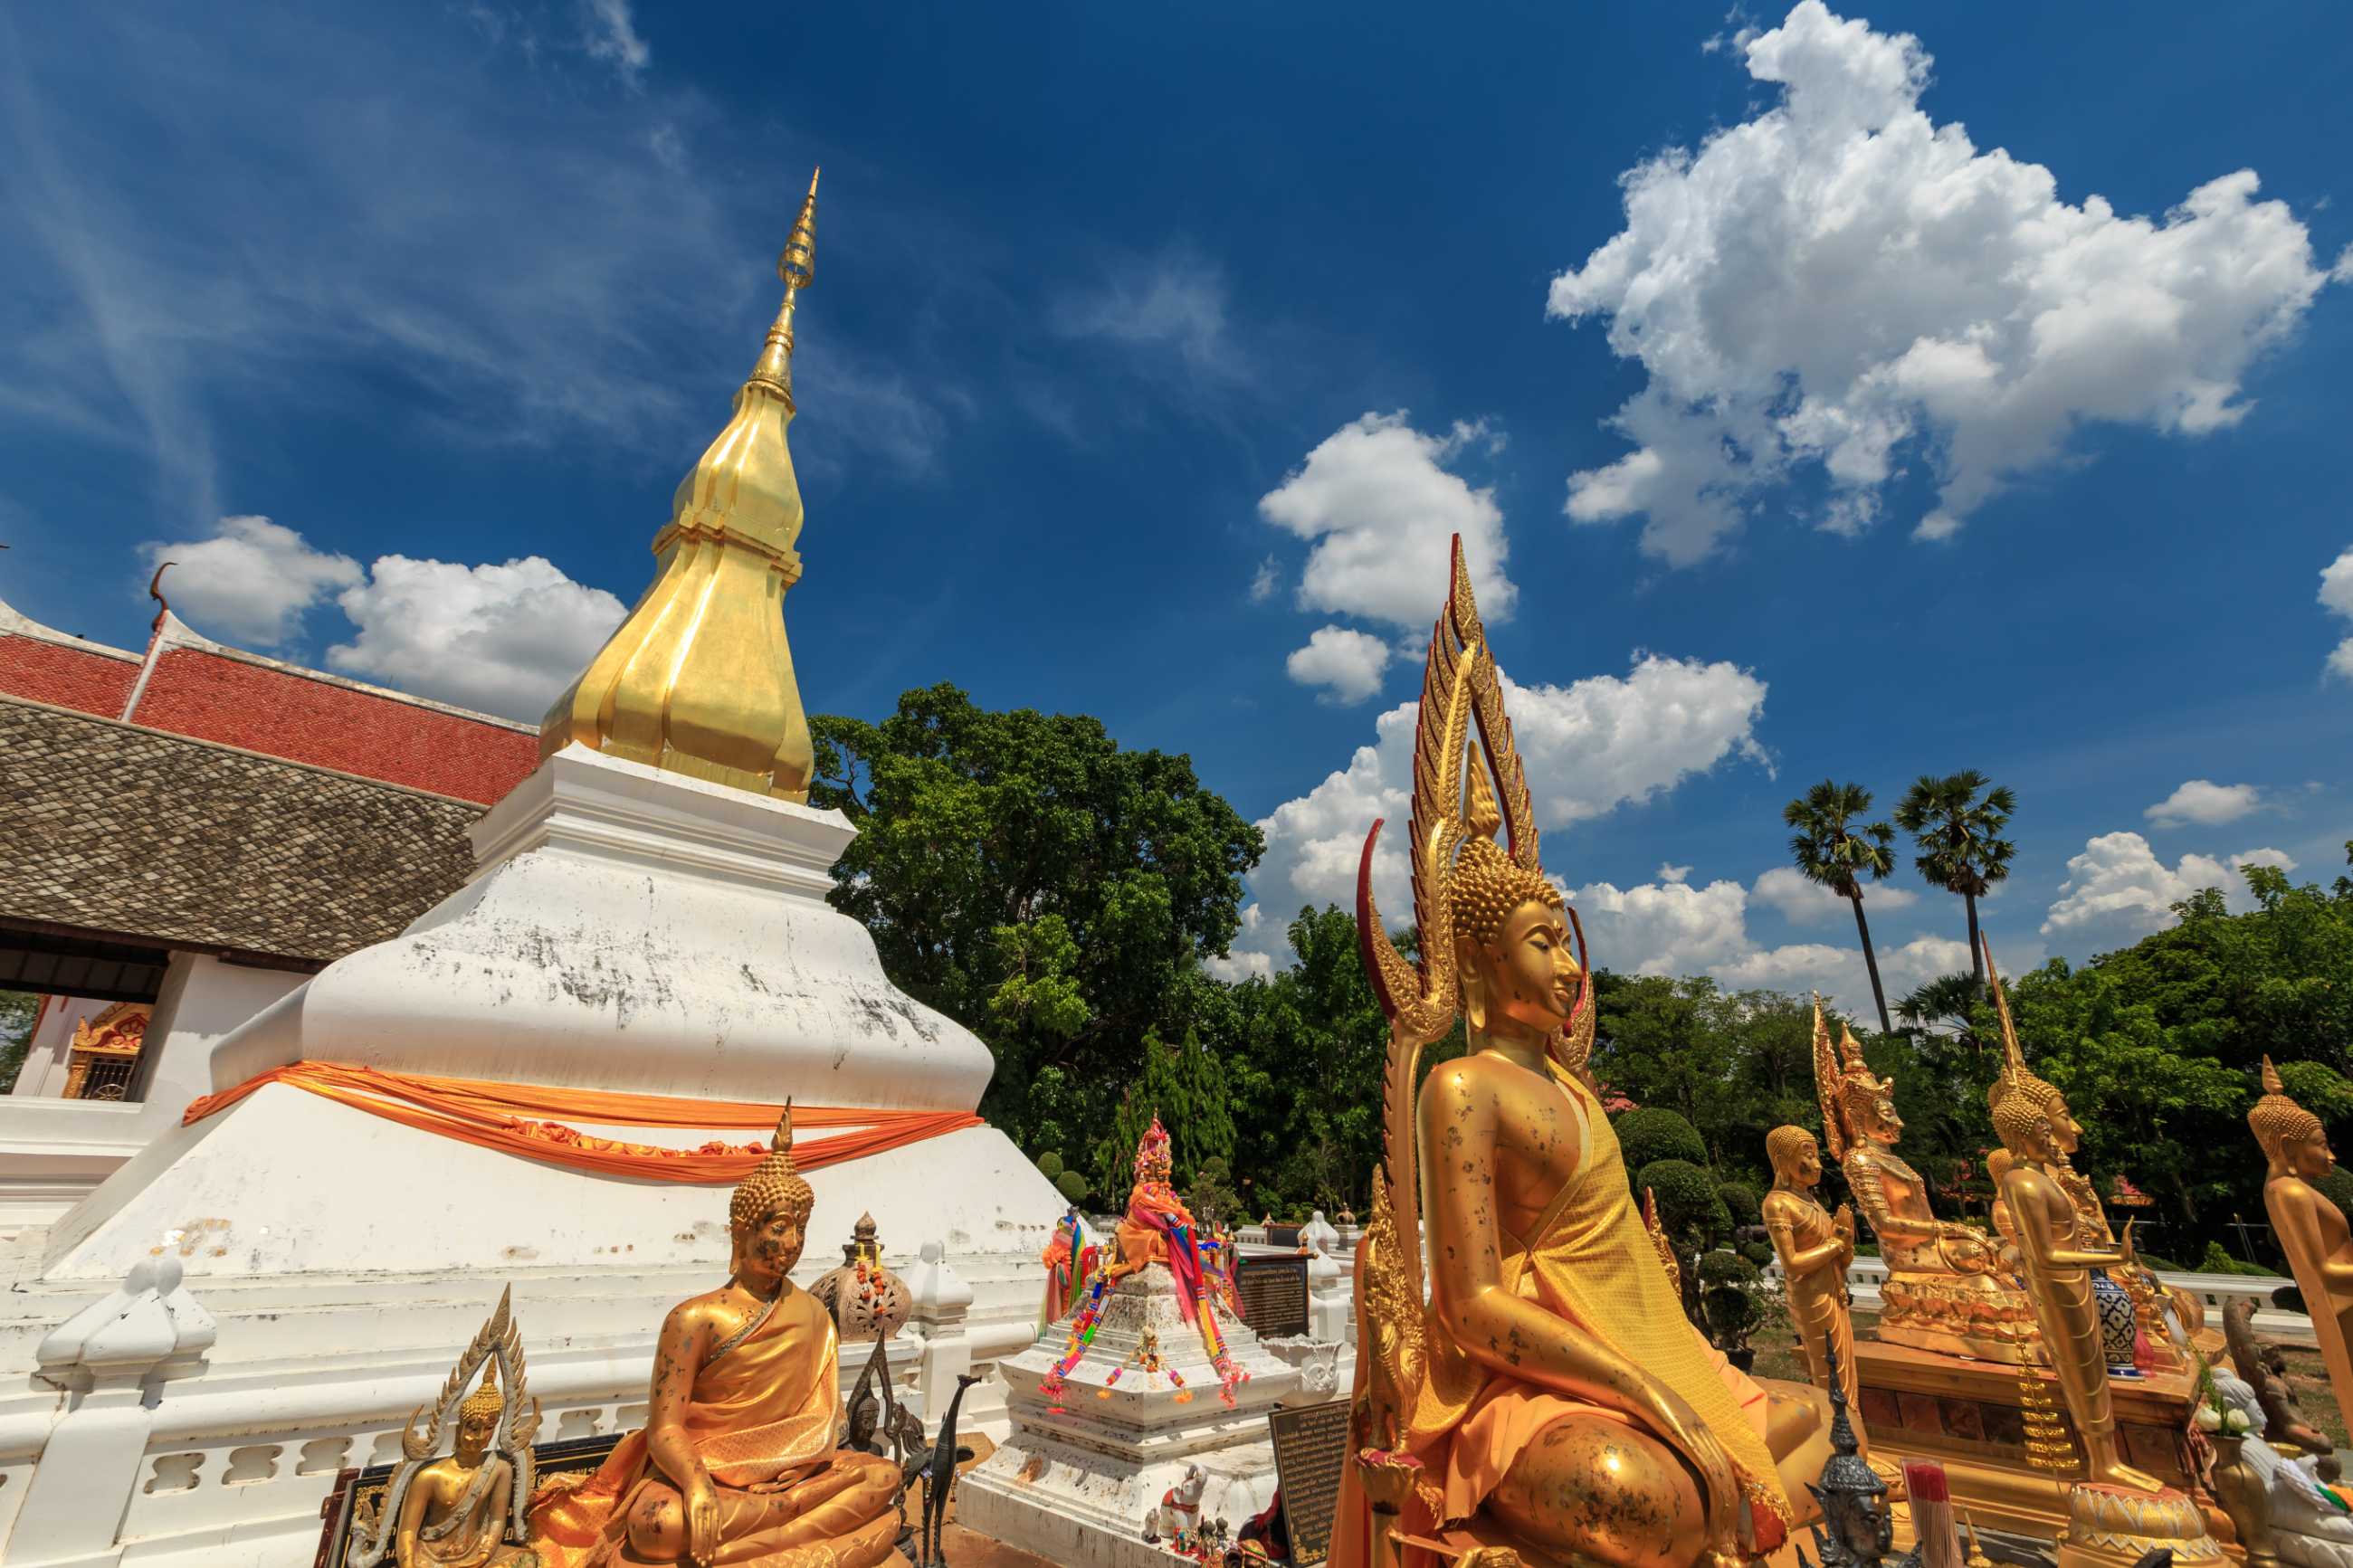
x,y
699,678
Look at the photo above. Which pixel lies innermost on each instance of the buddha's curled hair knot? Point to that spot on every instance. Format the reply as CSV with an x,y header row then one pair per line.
x,y
485,1401
773,1186
2018,1111
1783,1146
1488,885
2276,1120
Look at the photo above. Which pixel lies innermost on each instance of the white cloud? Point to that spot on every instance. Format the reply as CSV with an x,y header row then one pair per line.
x,y
502,638
1805,903
1264,581
2117,889
1380,505
1674,873
613,36
1840,280
1621,740
2337,593
1347,663
2205,802
1174,302
251,582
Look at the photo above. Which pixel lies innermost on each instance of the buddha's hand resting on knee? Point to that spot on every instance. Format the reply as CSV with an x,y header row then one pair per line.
x,y
701,1522
1680,1424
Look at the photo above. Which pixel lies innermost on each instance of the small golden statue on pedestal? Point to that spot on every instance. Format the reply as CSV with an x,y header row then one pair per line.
x,y
1943,1291
1815,1247
738,1462
2312,1231
1550,1403
464,1510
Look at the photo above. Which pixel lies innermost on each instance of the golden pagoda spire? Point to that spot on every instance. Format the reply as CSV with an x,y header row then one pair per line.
x,y
699,678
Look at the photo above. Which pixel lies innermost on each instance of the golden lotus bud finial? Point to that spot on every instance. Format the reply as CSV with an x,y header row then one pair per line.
x,y
699,680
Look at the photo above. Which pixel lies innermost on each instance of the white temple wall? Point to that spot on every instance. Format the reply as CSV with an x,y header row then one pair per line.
x,y
202,999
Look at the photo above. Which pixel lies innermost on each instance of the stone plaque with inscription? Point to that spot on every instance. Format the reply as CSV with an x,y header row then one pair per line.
x,y
1284,1234
1273,1292
1311,1444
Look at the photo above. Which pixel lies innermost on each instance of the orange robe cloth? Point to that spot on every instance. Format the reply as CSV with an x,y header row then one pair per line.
x,y
765,1412
1589,1262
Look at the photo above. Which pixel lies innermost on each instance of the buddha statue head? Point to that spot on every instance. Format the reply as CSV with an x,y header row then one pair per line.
x,y
1519,971
2030,1119
1796,1158
767,1218
478,1417
2292,1139
1858,1105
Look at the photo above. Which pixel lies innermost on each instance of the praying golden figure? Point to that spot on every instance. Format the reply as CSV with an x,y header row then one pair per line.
x,y
1550,1400
738,1462
2311,1230
1815,1247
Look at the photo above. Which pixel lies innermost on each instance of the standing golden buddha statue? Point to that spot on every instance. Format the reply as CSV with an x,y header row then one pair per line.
x,y
2031,1119
738,1462
1943,1291
1545,1396
2311,1229
1815,1247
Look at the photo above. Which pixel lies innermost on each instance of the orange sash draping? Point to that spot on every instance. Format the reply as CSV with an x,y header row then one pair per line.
x,y
474,1112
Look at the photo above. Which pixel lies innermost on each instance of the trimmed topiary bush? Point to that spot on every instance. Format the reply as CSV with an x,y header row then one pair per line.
x,y
1760,1252
1073,1186
1649,1134
2337,1188
1688,1204
2218,1261
1741,1199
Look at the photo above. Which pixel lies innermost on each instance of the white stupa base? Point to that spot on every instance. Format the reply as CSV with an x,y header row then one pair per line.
x,y
1074,1487
627,929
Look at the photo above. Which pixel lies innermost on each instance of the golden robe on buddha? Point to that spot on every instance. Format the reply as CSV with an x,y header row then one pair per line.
x,y
1588,1261
763,1417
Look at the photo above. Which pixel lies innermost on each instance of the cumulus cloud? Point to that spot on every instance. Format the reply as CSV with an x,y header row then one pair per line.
x,y
1805,902
2204,802
250,581
1379,504
504,638
1668,873
2117,889
2337,593
1347,664
1621,740
1839,282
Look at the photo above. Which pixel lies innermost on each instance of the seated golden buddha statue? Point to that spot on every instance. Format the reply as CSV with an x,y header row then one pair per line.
x,y
1815,1246
1550,1398
1943,1291
738,1462
455,1511
2311,1229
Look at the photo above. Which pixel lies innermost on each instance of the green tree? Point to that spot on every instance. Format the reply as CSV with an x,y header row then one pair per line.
x,y
1832,848
1957,822
1654,1133
19,1011
1048,890
1206,1133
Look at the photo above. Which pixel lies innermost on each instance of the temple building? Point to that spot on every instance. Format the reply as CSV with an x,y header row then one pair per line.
x,y
191,831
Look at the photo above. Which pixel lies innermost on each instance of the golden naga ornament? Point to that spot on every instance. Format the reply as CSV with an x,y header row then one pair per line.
x,y
1536,1392
699,678
1943,1291
465,1509
2312,1230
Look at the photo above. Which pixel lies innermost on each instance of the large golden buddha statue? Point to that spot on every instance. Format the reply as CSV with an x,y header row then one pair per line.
x,y
1550,1399
1943,1291
2311,1229
738,1462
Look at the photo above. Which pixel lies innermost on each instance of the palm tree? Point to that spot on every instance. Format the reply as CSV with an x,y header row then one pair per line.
x,y
1942,1007
1830,848
1957,821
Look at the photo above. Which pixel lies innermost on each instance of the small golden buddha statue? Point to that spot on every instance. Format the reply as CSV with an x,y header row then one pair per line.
x,y
1815,1247
1943,1291
1545,1396
738,1462
2312,1230
2032,1119
459,1510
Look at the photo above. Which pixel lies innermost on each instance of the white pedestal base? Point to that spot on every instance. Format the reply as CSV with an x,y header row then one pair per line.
x,y
1074,1487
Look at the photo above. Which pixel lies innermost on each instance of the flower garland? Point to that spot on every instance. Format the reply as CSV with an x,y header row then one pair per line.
x,y
1083,1334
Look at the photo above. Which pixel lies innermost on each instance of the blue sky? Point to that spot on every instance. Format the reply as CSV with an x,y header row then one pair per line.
x,y
1148,365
